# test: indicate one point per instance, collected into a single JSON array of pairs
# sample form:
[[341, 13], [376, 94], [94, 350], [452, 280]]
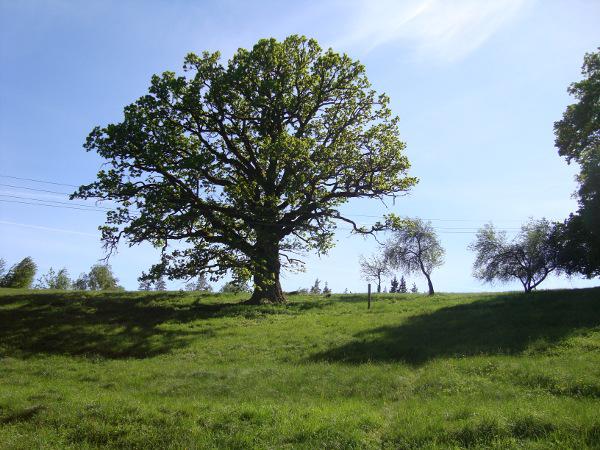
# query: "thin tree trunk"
[[430, 285]]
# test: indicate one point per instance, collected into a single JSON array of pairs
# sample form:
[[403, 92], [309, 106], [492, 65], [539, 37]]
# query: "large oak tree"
[[245, 164]]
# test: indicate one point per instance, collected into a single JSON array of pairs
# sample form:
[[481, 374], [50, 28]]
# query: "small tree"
[[20, 275], [316, 288], [200, 285], [414, 289], [81, 283], [402, 288], [160, 284], [145, 285], [101, 277], [2, 269], [235, 287], [54, 280], [530, 257], [394, 285], [414, 247], [326, 290], [374, 269]]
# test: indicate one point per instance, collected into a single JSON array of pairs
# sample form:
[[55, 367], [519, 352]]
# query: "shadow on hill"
[[112, 324], [503, 324]]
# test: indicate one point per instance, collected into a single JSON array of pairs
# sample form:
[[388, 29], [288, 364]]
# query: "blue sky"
[[477, 86]]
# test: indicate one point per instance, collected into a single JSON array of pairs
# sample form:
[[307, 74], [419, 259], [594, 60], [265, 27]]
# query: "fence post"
[[369, 297]]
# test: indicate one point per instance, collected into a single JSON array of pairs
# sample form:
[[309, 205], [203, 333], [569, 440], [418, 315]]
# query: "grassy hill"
[[178, 370]]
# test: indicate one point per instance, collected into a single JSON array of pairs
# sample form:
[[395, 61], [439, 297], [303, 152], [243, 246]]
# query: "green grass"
[[174, 370]]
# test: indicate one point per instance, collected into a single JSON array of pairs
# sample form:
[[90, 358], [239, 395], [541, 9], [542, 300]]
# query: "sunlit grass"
[[179, 370]]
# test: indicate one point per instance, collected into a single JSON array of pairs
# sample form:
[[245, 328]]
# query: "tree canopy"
[[245, 164], [530, 257], [20, 275], [578, 140], [100, 277], [374, 268], [54, 280], [414, 247]]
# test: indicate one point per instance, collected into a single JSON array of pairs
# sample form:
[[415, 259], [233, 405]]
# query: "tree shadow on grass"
[[504, 325], [112, 324]]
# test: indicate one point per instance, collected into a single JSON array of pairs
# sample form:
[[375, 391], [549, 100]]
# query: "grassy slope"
[[162, 370]]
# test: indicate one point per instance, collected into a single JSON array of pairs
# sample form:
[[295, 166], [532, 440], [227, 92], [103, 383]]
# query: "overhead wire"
[[99, 208]]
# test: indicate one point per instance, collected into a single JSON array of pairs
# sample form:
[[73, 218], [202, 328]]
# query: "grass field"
[[178, 370]]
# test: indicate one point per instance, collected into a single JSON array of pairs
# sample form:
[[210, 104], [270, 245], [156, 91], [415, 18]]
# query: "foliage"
[[81, 283], [200, 285], [100, 277], [530, 257], [2, 269], [160, 284], [414, 288], [374, 268], [54, 280], [326, 290], [151, 370], [394, 286], [235, 287], [20, 275], [578, 140], [402, 287], [414, 247], [145, 285], [316, 288], [246, 161]]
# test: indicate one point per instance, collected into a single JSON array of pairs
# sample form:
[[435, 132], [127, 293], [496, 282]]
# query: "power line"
[[36, 190], [52, 206], [103, 208], [82, 207], [442, 220], [450, 230]]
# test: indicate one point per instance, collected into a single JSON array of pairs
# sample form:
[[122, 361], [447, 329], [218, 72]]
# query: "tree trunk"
[[267, 288], [430, 285]]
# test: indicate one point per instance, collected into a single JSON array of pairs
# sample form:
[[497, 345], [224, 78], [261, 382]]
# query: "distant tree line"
[[22, 275], [532, 255]]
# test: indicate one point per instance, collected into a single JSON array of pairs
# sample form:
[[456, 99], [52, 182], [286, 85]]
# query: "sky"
[[477, 85]]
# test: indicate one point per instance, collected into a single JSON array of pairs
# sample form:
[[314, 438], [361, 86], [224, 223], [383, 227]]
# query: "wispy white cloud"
[[42, 228], [443, 30]]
